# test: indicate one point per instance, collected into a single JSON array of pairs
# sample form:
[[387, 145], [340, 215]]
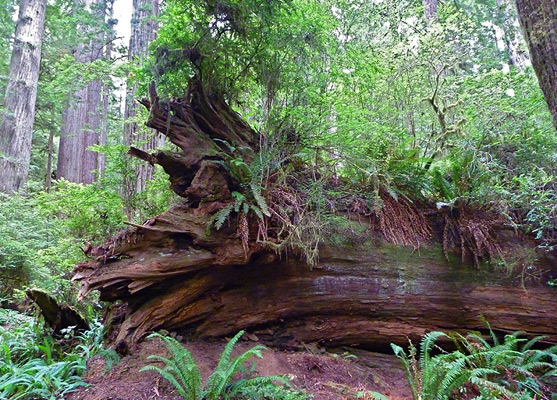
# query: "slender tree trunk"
[[82, 120], [506, 19], [539, 22], [143, 30], [18, 116], [430, 9], [48, 181]]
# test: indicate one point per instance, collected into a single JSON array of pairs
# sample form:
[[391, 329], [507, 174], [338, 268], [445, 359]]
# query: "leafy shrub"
[[41, 234], [34, 249], [183, 373], [508, 370], [85, 211], [34, 366], [520, 370]]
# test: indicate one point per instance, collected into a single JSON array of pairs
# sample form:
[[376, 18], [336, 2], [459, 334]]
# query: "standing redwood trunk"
[[82, 121], [143, 30], [16, 130], [430, 9], [539, 21], [103, 132]]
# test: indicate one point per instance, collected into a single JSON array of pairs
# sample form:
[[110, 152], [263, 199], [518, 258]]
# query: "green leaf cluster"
[[511, 369], [33, 365], [182, 372]]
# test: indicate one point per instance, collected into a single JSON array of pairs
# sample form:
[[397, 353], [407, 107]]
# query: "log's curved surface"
[[370, 295], [173, 272]]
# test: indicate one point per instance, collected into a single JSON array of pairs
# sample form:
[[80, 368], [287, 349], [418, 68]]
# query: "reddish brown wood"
[[370, 294], [175, 273]]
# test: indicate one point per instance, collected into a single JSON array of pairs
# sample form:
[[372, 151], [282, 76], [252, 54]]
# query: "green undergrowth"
[[479, 368], [35, 366], [42, 233], [229, 380]]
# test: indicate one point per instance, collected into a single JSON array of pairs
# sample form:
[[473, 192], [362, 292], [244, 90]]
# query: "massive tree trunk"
[[18, 116], [143, 30], [82, 119], [173, 272], [103, 132], [539, 22]]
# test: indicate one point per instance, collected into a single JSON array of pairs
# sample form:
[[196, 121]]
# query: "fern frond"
[[239, 199], [170, 378], [528, 345], [427, 344], [493, 335], [412, 380], [221, 216], [216, 382], [222, 164], [181, 366], [260, 200], [242, 384], [455, 376], [231, 148], [257, 211]]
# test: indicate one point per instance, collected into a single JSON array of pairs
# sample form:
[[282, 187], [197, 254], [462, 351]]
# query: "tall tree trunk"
[[506, 19], [18, 116], [82, 121], [430, 9], [101, 161], [539, 22], [50, 149], [143, 30]]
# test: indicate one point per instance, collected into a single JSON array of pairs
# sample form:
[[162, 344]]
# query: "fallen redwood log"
[[370, 294], [175, 273]]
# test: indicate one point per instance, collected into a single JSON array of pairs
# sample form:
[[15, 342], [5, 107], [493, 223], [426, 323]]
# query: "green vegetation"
[[367, 108], [33, 365], [182, 372], [390, 102], [511, 369]]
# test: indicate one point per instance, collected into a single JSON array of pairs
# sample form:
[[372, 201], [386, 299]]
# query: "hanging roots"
[[401, 223], [471, 231], [292, 225]]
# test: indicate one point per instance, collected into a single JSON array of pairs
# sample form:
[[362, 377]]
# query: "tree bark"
[[82, 120], [170, 275], [101, 159], [430, 9], [143, 30], [16, 129], [539, 22], [173, 272]]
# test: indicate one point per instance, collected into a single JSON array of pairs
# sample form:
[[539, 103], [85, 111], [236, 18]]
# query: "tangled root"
[[401, 223], [471, 232]]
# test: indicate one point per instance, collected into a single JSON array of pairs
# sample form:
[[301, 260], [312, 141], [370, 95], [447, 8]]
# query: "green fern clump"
[[510, 370], [183, 373], [434, 377], [519, 370]]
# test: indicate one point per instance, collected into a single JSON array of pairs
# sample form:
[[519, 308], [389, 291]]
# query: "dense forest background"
[[426, 102]]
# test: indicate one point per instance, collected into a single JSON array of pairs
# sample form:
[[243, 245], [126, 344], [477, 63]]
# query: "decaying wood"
[[57, 316], [173, 272]]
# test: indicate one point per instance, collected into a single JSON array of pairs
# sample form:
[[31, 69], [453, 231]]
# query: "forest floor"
[[324, 375]]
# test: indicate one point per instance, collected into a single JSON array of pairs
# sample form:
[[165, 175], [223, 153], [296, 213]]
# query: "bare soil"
[[325, 375]]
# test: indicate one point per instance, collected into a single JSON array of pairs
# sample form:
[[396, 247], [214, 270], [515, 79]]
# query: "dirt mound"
[[327, 376]]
